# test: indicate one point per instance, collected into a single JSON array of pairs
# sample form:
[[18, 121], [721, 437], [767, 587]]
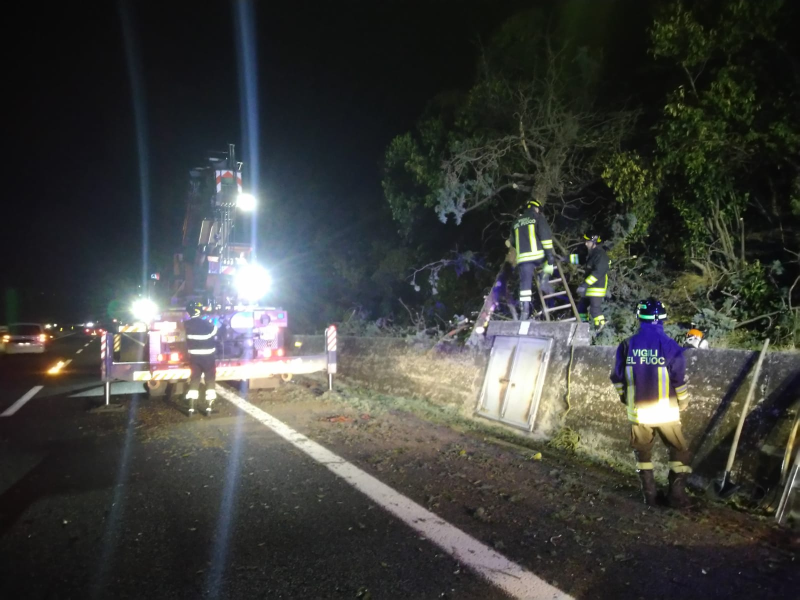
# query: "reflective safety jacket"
[[200, 336], [532, 236], [597, 273], [649, 376]]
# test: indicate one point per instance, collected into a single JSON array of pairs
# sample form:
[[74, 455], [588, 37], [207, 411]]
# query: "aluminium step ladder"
[[564, 294]]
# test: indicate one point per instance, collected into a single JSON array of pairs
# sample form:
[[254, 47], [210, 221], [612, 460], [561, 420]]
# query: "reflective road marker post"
[[106, 358], [330, 344]]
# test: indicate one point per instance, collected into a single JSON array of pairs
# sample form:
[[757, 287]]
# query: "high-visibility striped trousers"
[[643, 437], [526, 272], [591, 306], [202, 365]]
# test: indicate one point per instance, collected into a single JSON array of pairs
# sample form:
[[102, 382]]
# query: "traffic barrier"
[[258, 369], [300, 365], [135, 328]]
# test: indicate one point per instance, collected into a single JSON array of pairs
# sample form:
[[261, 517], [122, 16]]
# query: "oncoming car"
[[24, 338]]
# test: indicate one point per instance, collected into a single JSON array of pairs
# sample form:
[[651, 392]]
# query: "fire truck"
[[218, 270]]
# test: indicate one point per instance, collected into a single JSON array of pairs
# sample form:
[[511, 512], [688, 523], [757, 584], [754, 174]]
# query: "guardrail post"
[[330, 344]]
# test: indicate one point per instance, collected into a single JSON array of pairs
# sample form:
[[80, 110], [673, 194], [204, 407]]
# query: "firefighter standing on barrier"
[[649, 376], [202, 356], [595, 285], [533, 243]]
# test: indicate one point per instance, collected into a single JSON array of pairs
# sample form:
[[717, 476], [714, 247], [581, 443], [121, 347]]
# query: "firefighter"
[[695, 339], [595, 285], [202, 356], [534, 245], [649, 376]]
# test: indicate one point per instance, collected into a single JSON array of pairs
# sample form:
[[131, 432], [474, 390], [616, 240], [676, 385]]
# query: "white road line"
[[79, 351], [515, 580], [21, 402], [66, 362]]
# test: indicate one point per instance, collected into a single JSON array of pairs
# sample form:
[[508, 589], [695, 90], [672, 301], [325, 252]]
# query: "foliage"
[[536, 132], [635, 183], [701, 199], [722, 148]]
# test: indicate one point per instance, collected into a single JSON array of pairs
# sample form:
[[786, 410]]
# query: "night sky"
[[337, 80]]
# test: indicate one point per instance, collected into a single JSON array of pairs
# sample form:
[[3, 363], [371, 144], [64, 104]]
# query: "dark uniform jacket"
[[532, 237], [649, 375], [200, 336], [597, 273]]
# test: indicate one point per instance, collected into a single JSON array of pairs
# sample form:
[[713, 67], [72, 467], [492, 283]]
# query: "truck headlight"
[[252, 282]]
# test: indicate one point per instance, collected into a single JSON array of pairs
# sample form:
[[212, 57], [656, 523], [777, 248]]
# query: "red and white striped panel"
[[103, 350], [227, 175], [330, 338]]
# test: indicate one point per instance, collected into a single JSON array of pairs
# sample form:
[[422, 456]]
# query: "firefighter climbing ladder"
[[563, 294]]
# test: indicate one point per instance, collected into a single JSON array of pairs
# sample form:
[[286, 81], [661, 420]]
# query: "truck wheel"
[[156, 389]]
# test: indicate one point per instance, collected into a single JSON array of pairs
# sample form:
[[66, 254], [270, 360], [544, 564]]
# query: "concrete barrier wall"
[[395, 366], [718, 382]]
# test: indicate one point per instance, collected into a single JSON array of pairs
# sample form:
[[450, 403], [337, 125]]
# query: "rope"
[[569, 381], [566, 439]]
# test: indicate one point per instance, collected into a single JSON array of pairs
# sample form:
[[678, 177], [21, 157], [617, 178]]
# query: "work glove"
[[548, 269], [683, 404], [548, 256], [508, 244], [582, 290]]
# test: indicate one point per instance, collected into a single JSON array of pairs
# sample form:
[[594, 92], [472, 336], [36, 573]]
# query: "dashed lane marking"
[[79, 351], [512, 578], [21, 402]]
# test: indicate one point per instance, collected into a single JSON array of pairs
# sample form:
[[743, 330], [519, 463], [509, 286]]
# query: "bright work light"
[[246, 202], [252, 282], [144, 310]]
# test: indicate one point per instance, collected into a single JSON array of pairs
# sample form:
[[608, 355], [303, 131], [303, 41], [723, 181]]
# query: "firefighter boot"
[[525, 311], [211, 395], [677, 491], [191, 396], [649, 491]]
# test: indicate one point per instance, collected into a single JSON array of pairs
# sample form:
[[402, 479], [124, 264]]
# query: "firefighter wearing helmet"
[[533, 242], [649, 376], [595, 285], [695, 339], [202, 356]]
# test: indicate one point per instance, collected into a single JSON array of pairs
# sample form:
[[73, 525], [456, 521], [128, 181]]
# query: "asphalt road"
[[141, 501]]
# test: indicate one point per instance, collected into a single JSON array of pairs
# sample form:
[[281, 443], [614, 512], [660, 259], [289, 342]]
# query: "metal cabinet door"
[[524, 391], [514, 380], [498, 375]]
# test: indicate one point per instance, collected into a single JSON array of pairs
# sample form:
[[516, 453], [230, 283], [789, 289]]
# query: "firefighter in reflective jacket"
[[594, 287], [649, 376], [202, 356], [533, 242]]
